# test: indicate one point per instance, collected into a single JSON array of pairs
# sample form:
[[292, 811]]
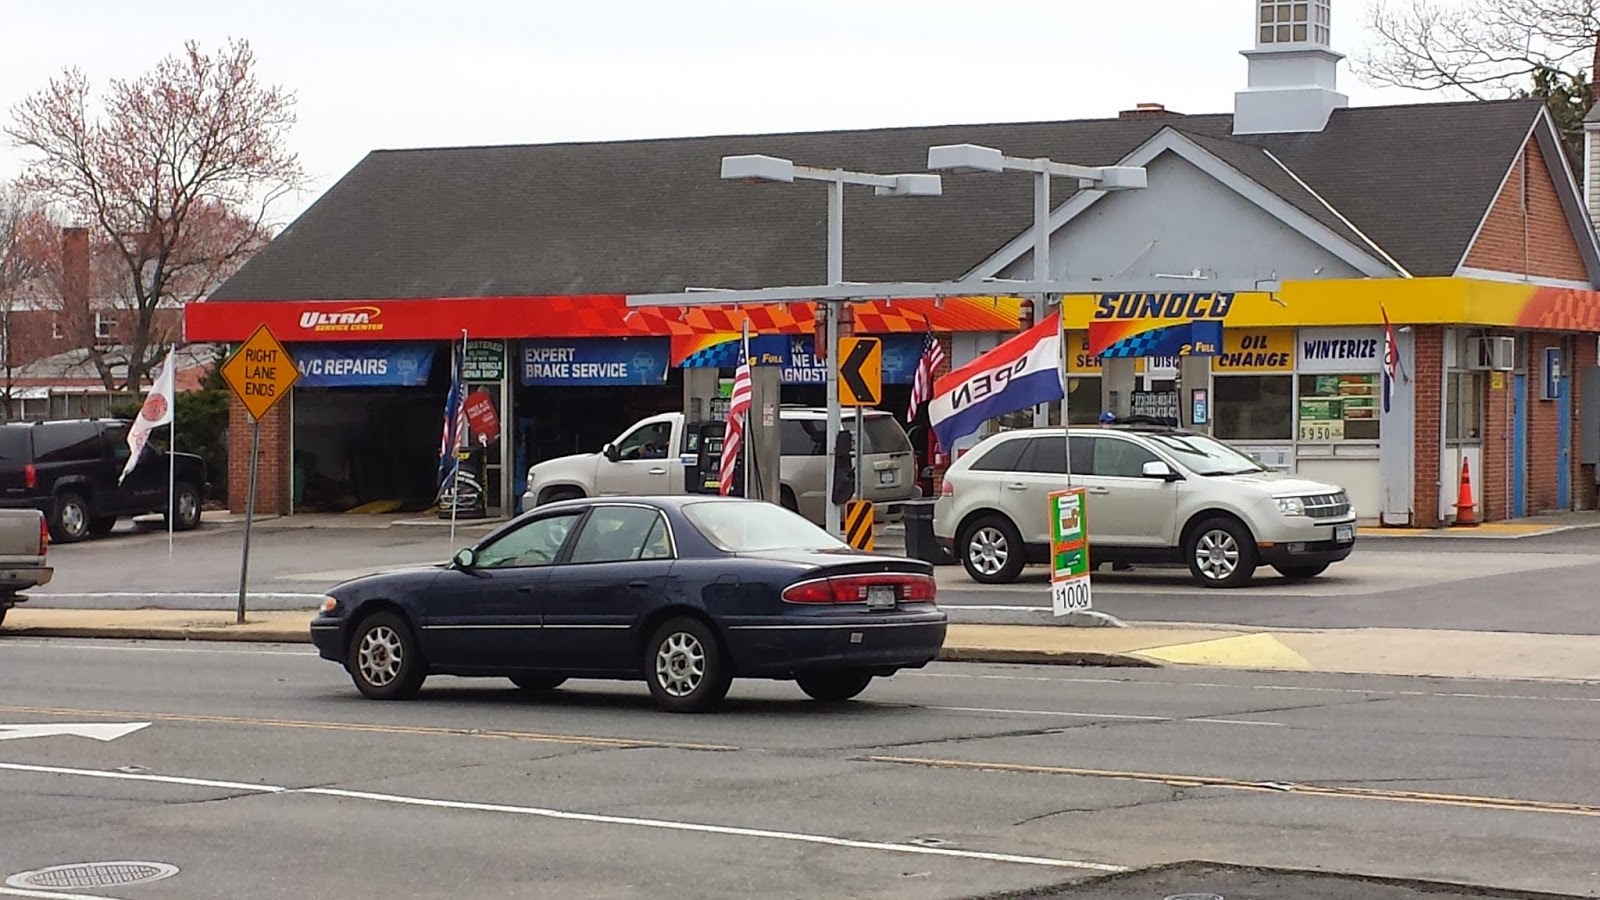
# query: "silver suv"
[[1154, 496]]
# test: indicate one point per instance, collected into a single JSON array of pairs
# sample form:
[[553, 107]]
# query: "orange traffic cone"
[[1466, 516]]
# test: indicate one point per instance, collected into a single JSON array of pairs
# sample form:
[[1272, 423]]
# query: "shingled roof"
[[653, 215]]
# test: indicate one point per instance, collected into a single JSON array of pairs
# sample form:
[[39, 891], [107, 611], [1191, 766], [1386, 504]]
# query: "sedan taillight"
[[855, 588]]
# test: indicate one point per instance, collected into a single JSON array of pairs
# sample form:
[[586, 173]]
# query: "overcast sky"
[[403, 73]]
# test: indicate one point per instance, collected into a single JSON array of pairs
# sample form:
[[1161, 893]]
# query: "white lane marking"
[[49, 895], [1095, 715], [158, 779], [594, 818], [1381, 692], [730, 830], [174, 595], [100, 731]]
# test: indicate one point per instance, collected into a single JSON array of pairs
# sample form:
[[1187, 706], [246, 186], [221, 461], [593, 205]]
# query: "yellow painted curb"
[[1246, 651]]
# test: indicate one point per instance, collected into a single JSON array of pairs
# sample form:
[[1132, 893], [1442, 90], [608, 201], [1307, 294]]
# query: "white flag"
[[156, 412]]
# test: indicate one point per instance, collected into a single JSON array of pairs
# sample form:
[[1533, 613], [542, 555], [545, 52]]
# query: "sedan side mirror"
[[611, 452], [465, 559], [1158, 469]]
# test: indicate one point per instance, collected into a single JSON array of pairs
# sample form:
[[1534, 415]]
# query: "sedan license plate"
[[1344, 534], [881, 596], [886, 477]]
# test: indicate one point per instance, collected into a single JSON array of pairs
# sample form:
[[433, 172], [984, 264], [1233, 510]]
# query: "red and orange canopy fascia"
[[1407, 301], [595, 315]]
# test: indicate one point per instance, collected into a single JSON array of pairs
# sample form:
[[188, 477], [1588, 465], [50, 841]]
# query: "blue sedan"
[[686, 593]]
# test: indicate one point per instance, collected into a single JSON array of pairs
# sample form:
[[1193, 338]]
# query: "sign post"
[[260, 373], [1069, 552], [860, 385]]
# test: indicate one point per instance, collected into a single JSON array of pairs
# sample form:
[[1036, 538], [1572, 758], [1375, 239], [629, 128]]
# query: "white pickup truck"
[[659, 456], [24, 546]]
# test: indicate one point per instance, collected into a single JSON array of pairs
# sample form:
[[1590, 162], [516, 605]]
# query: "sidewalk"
[[1511, 529], [1376, 651]]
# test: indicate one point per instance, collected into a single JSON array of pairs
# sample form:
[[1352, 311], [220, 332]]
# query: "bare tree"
[[176, 173], [26, 238], [1491, 48]]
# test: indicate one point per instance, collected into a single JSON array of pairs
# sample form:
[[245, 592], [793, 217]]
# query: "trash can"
[[920, 543]]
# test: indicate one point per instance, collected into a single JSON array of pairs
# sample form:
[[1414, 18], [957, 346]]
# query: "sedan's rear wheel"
[[684, 666], [537, 684], [992, 552], [833, 686], [383, 658]]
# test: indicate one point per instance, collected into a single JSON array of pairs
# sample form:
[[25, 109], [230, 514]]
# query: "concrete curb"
[[1045, 658], [226, 634]]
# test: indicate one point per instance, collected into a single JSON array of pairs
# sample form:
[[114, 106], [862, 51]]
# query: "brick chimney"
[[75, 273], [1147, 111]]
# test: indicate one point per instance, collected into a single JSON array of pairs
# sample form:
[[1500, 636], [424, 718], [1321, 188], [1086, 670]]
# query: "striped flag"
[[922, 387], [1391, 359], [738, 410]]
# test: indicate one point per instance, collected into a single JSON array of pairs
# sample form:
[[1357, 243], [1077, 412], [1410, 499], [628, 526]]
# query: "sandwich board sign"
[[1069, 551]]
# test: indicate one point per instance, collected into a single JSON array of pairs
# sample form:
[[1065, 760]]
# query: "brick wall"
[[1539, 243], [1544, 447], [1428, 372], [1492, 487], [1583, 483], [272, 473]]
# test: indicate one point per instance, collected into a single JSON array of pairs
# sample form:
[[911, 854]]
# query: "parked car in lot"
[[686, 593], [69, 471], [657, 456], [24, 552], [1154, 495]]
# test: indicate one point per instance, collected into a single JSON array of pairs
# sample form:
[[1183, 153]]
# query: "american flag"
[[455, 423], [738, 409], [1391, 359], [922, 386]]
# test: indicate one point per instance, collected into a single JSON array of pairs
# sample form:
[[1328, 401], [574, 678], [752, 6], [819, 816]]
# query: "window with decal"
[[1339, 407]]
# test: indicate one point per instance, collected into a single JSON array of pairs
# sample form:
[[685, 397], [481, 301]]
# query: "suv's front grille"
[[1327, 506]]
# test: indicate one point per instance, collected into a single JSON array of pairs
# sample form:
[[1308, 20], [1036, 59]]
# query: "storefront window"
[[1338, 407], [1463, 413], [1254, 407], [1083, 402]]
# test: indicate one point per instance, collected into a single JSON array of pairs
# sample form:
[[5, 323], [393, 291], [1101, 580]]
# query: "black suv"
[[68, 470]]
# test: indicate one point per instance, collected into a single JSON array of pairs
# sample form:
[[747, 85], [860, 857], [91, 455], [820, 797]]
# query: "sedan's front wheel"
[[833, 686], [684, 666], [383, 658]]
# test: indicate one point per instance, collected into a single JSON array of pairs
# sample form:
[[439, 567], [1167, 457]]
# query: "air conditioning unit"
[[1491, 354]]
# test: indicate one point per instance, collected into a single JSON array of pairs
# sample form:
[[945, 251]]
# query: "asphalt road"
[[262, 773], [1539, 584]]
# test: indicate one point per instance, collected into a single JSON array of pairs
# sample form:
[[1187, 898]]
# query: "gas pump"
[[702, 458]]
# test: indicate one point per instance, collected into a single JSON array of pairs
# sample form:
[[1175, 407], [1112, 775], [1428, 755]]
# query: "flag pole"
[[749, 432], [455, 419], [172, 454]]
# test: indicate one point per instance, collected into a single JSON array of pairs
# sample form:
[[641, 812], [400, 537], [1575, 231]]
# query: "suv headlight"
[[1291, 506]]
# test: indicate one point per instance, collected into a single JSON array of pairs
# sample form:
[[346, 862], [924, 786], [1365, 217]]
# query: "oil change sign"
[[1255, 350]]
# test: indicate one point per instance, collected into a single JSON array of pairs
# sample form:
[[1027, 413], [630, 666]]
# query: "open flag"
[[155, 413], [1023, 372], [454, 435]]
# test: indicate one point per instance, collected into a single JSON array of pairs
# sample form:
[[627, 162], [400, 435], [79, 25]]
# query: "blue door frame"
[[1564, 474], [1519, 445]]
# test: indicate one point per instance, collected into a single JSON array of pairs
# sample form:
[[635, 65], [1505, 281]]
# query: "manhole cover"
[[95, 874]]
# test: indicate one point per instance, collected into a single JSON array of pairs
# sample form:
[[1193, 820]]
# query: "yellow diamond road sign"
[[260, 373], [860, 371]]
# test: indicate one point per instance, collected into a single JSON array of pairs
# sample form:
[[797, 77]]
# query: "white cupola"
[[1294, 71]]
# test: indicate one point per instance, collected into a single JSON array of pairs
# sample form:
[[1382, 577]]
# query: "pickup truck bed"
[[24, 545]]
